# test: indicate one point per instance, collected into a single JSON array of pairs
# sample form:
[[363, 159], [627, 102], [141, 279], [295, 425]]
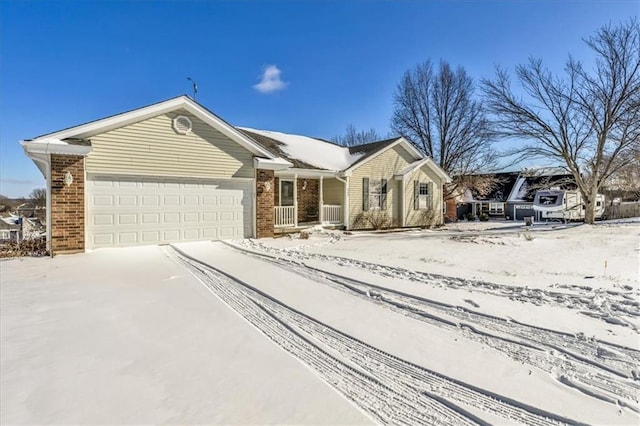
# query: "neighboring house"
[[10, 229], [30, 210], [511, 196], [494, 202], [174, 171]]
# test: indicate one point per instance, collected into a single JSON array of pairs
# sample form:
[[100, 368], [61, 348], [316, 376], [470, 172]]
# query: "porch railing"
[[332, 214], [284, 216]]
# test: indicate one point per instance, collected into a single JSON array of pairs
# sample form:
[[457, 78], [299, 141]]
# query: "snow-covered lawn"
[[471, 323]]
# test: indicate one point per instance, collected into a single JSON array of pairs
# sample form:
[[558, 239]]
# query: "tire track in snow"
[[410, 384], [524, 343], [607, 305], [379, 399]]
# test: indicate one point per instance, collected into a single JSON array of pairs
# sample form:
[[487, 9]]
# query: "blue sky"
[[332, 62]]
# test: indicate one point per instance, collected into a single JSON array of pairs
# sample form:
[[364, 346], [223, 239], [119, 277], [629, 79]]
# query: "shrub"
[[32, 247], [373, 219], [470, 217], [427, 218], [484, 217]]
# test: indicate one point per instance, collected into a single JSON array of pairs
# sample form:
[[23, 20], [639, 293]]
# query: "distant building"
[[511, 196], [10, 229]]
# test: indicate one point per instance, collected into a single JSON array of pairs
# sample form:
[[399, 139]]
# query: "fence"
[[623, 210]]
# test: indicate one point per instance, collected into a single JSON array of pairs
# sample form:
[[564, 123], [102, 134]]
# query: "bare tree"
[[587, 121], [436, 111], [39, 197], [625, 182], [353, 137]]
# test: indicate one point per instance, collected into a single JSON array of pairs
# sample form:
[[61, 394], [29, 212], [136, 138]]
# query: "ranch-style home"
[[174, 171]]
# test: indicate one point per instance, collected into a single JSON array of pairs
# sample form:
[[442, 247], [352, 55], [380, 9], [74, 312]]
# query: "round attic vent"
[[182, 124]]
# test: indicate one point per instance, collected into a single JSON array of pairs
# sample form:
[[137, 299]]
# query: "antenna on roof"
[[195, 87]]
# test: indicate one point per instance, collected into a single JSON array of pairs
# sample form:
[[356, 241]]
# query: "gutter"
[[345, 213]]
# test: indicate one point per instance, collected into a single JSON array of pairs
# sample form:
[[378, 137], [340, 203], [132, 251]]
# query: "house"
[[512, 193], [174, 171], [10, 229], [493, 201]]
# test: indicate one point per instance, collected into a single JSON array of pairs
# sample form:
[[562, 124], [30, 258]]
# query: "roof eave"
[[271, 163], [46, 147]]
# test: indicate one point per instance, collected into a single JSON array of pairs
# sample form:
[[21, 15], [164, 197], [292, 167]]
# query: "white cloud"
[[270, 81]]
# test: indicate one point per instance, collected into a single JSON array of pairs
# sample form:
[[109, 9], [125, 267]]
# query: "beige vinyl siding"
[[152, 147], [416, 217], [333, 192], [383, 166]]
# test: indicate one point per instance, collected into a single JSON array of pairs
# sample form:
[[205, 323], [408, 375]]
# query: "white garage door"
[[129, 211]]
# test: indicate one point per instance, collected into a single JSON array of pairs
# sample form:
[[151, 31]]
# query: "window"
[[496, 208], [374, 194], [286, 192], [421, 195], [548, 200]]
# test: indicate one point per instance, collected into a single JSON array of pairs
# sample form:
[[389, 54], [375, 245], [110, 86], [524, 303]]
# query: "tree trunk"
[[590, 205]]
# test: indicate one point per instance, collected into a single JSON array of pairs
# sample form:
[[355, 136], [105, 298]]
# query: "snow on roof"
[[321, 154]]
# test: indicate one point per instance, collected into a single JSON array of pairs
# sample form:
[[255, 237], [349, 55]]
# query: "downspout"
[[48, 225], [295, 200], [345, 213], [254, 196], [321, 202], [403, 203]]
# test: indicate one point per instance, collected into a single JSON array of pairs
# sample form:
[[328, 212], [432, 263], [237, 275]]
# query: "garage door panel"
[[124, 211], [103, 220], [171, 218], [103, 239], [127, 238], [210, 216], [150, 200], [171, 200], [128, 219], [127, 200], [210, 233]]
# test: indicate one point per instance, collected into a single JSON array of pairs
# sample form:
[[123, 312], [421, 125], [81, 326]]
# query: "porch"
[[302, 202], [285, 217]]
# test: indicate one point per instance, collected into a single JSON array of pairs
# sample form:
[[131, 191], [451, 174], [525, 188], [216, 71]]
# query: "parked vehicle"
[[558, 204]]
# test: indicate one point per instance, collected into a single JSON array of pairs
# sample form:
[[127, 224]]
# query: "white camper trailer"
[[558, 204]]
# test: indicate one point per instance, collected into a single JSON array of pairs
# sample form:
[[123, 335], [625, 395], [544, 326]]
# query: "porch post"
[[345, 208], [321, 202], [295, 200]]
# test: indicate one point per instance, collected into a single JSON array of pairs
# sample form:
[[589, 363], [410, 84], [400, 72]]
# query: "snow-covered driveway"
[[402, 359], [333, 329], [128, 336]]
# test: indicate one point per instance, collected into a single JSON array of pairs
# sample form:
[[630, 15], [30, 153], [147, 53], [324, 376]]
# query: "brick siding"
[[67, 204], [308, 200], [265, 200], [452, 208]]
